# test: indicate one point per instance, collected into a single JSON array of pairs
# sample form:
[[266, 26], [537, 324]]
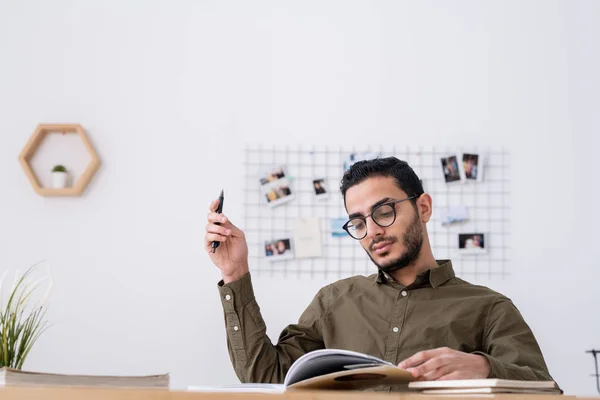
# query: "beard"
[[413, 242]]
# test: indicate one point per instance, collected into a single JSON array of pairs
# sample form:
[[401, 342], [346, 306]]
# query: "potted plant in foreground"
[[22, 319], [59, 177]]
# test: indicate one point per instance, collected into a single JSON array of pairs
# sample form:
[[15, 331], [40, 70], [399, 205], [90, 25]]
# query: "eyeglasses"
[[383, 215]]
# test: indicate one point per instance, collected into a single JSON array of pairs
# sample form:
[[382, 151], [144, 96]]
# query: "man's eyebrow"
[[380, 202]]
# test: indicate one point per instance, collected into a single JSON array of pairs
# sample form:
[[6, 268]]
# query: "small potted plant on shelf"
[[59, 177]]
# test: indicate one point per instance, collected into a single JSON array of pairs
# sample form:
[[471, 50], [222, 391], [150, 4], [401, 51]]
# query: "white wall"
[[170, 91]]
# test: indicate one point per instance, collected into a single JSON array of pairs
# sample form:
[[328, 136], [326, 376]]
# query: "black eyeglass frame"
[[364, 219]]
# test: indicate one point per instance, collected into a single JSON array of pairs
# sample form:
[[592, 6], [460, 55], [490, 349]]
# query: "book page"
[[327, 361]]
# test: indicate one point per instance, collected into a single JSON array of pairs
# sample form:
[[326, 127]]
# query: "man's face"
[[394, 247]]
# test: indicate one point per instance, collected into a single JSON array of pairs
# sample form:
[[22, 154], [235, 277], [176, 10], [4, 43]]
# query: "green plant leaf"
[[59, 168], [20, 325]]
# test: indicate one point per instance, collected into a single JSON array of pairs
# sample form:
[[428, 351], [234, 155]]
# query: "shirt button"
[[228, 297], [403, 293], [395, 329], [236, 328]]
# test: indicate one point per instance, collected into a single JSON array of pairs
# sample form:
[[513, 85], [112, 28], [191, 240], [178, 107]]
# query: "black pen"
[[215, 244]]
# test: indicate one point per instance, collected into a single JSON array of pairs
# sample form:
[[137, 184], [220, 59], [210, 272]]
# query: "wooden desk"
[[132, 394]]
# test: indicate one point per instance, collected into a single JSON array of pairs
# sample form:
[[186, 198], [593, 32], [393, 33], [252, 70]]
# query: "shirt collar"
[[442, 274], [436, 276]]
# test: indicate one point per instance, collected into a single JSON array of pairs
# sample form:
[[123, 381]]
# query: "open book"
[[477, 386], [13, 377], [327, 369]]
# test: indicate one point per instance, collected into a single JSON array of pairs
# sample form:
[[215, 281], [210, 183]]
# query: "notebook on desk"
[[13, 377], [484, 386]]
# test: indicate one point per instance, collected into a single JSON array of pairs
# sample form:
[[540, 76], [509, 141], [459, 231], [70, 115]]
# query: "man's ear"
[[424, 205]]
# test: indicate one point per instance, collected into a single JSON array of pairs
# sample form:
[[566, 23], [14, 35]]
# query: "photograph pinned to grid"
[[320, 188], [452, 169], [279, 249], [453, 215], [473, 167], [336, 227], [472, 243], [275, 185]]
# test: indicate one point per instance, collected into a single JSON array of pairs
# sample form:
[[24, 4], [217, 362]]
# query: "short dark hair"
[[405, 176]]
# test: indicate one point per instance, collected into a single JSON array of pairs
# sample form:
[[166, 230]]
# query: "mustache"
[[390, 239]]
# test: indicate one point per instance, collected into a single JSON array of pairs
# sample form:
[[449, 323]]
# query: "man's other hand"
[[446, 364]]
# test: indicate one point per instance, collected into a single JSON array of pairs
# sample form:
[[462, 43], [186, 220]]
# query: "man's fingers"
[[224, 221], [214, 237], [215, 217], [415, 360], [212, 207], [430, 366], [444, 364], [437, 373], [421, 357], [221, 230]]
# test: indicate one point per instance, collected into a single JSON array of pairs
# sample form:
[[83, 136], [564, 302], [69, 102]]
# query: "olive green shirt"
[[378, 316]]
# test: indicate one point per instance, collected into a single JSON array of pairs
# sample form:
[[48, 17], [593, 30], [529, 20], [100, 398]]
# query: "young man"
[[413, 312]]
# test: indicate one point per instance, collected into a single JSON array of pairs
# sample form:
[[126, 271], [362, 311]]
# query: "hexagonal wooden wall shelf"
[[34, 142]]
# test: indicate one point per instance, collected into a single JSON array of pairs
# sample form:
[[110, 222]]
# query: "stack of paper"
[[477, 386], [12, 377]]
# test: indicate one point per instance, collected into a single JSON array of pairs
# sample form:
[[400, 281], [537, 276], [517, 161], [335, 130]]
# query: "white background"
[[169, 92]]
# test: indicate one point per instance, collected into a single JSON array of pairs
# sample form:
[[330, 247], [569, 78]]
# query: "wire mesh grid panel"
[[270, 217]]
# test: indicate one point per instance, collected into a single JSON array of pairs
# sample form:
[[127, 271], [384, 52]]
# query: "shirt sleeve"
[[254, 357], [510, 346]]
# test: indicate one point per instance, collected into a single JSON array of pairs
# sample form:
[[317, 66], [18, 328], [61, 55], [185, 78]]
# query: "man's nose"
[[374, 230]]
